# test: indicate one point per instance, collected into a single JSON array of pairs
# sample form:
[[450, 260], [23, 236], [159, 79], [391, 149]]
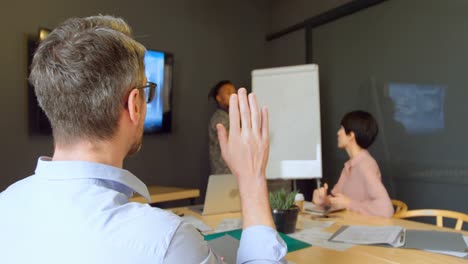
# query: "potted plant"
[[284, 210]]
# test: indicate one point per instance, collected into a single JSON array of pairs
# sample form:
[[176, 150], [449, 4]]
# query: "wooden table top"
[[358, 253]]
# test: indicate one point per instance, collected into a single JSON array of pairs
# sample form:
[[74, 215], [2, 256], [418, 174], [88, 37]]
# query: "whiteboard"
[[293, 100]]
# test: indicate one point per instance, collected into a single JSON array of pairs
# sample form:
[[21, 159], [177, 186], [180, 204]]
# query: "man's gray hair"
[[82, 72]]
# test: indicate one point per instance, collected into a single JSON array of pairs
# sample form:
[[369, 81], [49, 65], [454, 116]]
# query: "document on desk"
[[370, 235], [229, 224], [200, 225], [307, 223], [319, 238], [311, 231]]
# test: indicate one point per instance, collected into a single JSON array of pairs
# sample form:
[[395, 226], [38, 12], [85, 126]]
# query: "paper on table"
[[368, 235], [316, 237], [453, 253], [310, 231], [307, 223], [200, 225], [229, 224]]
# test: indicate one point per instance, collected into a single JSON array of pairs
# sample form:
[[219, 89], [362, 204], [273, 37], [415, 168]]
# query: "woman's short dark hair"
[[214, 91], [363, 125]]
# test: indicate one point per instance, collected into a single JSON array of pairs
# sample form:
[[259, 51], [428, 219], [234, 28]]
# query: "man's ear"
[[352, 136], [134, 106]]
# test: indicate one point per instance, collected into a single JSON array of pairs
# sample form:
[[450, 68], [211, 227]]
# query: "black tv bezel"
[[39, 124]]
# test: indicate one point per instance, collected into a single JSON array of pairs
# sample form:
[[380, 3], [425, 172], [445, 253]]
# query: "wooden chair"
[[439, 214], [399, 206]]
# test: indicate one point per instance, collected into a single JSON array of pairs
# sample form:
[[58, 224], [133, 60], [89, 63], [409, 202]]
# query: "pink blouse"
[[360, 180]]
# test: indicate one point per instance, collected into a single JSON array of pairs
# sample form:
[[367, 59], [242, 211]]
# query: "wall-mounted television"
[[158, 69], [38, 122]]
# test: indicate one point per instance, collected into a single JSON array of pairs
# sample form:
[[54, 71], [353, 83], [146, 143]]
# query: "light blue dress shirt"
[[79, 212]]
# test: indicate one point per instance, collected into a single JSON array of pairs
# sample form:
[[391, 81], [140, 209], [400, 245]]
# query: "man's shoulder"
[[145, 217], [143, 226], [16, 187]]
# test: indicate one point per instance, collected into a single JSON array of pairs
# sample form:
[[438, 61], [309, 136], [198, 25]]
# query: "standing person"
[[220, 93], [89, 79], [359, 187]]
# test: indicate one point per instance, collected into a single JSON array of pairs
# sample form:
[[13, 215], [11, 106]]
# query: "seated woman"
[[359, 187]]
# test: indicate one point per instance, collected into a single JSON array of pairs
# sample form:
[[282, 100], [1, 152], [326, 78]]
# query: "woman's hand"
[[320, 195]]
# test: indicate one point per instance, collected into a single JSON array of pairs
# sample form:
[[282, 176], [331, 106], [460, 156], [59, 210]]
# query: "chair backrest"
[[439, 214], [399, 206]]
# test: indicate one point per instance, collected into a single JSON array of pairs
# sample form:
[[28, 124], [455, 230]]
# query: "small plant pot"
[[285, 220]]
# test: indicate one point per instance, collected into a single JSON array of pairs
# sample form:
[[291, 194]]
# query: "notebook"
[[397, 236], [435, 240], [222, 196]]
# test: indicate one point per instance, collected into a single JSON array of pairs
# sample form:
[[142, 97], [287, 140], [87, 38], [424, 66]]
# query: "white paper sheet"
[[307, 223], [319, 238], [229, 224], [200, 225], [451, 253]]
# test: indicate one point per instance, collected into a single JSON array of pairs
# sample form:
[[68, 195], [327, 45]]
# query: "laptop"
[[222, 196]]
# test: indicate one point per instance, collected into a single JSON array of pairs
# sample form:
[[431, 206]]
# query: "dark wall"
[[210, 40], [361, 57], [421, 44], [290, 49]]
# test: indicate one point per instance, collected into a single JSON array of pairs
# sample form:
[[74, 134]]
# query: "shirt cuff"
[[261, 243]]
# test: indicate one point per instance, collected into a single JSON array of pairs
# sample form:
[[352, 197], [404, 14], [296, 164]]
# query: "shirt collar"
[[67, 170], [352, 162]]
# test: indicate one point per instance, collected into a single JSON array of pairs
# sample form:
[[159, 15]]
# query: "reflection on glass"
[[419, 107]]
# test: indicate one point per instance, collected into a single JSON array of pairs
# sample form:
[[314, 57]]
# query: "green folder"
[[292, 243]]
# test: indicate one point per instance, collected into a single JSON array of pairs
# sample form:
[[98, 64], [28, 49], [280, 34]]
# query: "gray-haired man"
[[89, 79]]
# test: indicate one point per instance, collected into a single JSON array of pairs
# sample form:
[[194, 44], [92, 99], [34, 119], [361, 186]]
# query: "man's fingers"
[[325, 186], [244, 109], [255, 114], [234, 120], [222, 138]]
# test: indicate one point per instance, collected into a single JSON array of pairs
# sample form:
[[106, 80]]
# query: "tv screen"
[[158, 69]]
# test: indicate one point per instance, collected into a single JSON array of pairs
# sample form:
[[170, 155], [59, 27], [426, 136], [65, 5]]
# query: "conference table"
[[357, 253], [160, 194]]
